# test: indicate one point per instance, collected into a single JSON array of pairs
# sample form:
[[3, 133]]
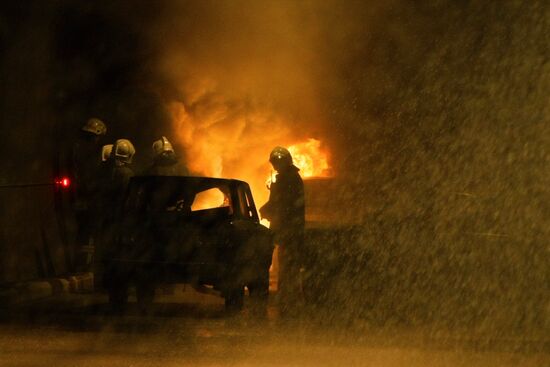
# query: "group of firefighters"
[[102, 172]]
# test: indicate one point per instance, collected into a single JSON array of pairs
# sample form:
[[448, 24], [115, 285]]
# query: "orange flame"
[[310, 159], [220, 144]]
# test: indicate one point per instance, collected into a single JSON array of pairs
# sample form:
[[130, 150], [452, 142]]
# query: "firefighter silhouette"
[[86, 171], [286, 212], [165, 160], [116, 174], [119, 172]]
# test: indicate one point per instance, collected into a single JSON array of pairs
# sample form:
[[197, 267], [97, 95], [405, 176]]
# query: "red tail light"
[[63, 182]]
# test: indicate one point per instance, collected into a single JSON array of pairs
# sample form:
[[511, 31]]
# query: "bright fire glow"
[[310, 159], [212, 198], [230, 143]]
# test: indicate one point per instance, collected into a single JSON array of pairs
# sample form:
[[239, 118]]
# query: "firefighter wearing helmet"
[[85, 152], [162, 148], [123, 151], [165, 161], [121, 159], [95, 127], [106, 151], [117, 172], [285, 211], [86, 175]]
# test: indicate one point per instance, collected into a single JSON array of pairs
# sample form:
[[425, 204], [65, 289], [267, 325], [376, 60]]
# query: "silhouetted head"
[[280, 158], [123, 151]]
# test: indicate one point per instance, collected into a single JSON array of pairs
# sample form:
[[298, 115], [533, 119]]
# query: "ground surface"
[[191, 329]]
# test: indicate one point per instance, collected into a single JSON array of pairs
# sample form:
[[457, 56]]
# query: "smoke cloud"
[[244, 77]]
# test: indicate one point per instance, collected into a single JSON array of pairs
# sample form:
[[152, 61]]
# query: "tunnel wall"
[[62, 63], [30, 240]]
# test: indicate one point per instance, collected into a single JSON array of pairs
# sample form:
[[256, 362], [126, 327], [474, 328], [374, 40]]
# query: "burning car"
[[198, 230]]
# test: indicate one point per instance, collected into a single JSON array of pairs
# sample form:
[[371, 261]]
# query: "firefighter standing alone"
[[285, 211]]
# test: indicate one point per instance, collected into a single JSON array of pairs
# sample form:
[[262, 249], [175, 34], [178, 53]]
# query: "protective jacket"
[[285, 209], [166, 166], [86, 167]]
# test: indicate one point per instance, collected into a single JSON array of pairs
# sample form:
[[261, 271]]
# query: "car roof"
[[198, 182]]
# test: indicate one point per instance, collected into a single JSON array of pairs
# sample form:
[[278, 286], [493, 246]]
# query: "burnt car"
[[199, 230]]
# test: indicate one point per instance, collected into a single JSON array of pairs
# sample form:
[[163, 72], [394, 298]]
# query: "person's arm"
[[268, 211]]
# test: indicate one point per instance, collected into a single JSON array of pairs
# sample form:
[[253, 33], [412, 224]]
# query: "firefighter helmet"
[[280, 157], [162, 147], [106, 152], [95, 126], [123, 151]]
